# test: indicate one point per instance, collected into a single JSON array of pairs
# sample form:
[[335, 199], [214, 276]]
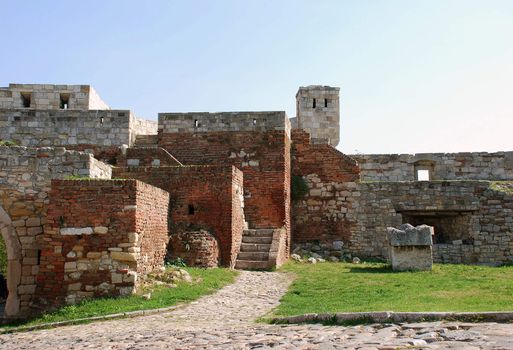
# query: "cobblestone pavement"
[[225, 321]]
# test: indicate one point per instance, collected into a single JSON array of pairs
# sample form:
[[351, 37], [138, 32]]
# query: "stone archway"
[[13, 247]]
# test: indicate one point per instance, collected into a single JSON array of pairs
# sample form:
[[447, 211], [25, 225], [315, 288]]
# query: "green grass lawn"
[[205, 281], [344, 287]]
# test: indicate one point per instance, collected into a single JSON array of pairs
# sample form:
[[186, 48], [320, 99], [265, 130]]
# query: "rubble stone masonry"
[[25, 175], [100, 237], [442, 166]]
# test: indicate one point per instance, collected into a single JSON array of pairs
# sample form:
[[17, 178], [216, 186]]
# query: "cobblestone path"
[[225, 321]]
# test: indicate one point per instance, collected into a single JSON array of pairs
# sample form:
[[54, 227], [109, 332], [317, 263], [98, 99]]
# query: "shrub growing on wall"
[[298, 188]]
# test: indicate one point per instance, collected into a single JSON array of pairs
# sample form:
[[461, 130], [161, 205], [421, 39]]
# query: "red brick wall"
[[321, 159], [151, 226], [260, 155], [126, 220], [322, 167], [146, 157], [209, 190]]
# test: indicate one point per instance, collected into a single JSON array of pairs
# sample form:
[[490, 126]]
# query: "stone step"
[[256, 239], [255, 256], [254, 247], [264, 232], [251, 265]]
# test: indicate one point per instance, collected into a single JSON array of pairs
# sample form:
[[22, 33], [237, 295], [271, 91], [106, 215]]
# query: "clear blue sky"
[[415, 76]]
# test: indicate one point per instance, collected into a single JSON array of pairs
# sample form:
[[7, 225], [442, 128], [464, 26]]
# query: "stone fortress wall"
[[225, 121], [441, 166], [38, 115], [227, 175]]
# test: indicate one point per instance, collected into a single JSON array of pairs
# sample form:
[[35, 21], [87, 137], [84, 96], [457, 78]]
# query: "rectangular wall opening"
[[26, 99], [64, 103], [422, 175], [449, 226]]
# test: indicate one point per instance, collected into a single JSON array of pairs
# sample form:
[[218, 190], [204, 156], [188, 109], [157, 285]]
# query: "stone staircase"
[[146, 140], [254, 249]]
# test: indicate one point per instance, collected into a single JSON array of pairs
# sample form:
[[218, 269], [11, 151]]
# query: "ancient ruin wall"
[[25, 175], [65, 127], [100, 238], [261, 154], [207, 197], [72, 128], [442, 166], [321, 214], [483, 214], [143, 127], [473, 220], [224, 121]]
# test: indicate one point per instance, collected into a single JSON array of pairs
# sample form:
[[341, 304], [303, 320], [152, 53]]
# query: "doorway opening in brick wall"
[[450, 226]]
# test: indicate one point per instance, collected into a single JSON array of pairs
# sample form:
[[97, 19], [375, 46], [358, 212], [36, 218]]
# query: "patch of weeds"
[[8, 143]]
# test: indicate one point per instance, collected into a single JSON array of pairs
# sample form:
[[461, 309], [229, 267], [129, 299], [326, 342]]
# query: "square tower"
[[318, 113]]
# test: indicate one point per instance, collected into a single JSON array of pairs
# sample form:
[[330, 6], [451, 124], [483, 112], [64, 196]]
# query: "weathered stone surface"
[[410, 247], [77, 231]]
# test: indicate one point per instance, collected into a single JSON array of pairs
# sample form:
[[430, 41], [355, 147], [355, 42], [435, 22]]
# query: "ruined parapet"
[[318, 113], [411, 247]]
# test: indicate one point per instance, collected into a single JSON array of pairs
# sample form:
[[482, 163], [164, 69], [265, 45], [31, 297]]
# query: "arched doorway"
[[13, 268]]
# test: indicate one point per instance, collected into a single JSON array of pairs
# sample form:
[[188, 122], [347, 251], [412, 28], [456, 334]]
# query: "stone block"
[[101, 230], [121, 256], [410, 247], [76, 231]]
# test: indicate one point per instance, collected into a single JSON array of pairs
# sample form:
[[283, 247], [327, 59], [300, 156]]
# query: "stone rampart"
[[72, 128], [441, 166], [225, 121]]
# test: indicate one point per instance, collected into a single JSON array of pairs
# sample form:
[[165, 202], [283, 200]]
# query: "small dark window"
[[101, 120], [64, 101], [314, 103], [196, 123], [25, 99], [191, 209], [254, 121], [325, 102], [39, 257]]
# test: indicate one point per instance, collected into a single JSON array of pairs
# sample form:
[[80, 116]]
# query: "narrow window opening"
[[325, 102], [254, 122], [196, 123], [314, 103], [64, 101], [39, 257], [101, 120], [25, 99], [422, 175], [191, 209]]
